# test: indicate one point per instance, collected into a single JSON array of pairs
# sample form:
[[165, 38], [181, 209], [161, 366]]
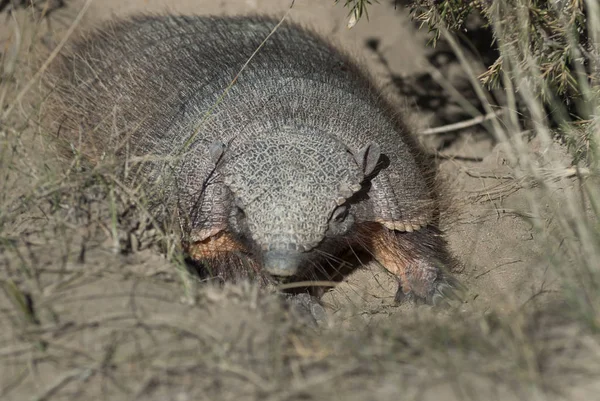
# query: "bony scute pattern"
[[298, 177], [299, 162]]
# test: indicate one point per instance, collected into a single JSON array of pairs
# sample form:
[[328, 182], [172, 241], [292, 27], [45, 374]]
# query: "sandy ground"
[[491, 229]]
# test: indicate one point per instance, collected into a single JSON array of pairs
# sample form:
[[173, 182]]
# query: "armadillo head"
[[290, 193]]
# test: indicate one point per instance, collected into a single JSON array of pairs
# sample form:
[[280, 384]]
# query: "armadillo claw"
[[309, 308], [446, 291], [443, 292], [419, 260]]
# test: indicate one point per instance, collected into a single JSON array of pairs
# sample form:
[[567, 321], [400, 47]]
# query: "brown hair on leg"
[[221, 256], [419, 259]]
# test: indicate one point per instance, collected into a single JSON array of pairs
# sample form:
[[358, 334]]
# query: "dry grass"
[[96, 302]]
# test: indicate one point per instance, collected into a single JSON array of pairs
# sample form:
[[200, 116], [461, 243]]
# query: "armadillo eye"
[[340, 213], [240, 212]]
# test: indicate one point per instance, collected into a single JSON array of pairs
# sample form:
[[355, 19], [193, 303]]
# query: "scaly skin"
[[300, 153]]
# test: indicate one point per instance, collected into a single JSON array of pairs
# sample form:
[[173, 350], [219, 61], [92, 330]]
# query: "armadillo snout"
[[282, 263]]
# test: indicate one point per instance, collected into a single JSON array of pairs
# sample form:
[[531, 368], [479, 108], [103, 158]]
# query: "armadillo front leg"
[[419, 260], [225, 257]]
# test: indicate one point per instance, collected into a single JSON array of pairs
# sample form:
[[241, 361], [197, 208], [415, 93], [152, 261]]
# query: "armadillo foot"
[[443, 291], [308, 307], [420, 261]]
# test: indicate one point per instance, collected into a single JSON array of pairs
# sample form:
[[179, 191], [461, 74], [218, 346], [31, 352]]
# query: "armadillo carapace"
[[277, 154]]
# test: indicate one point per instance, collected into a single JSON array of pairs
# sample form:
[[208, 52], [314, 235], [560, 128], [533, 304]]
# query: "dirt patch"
[[85, 319]]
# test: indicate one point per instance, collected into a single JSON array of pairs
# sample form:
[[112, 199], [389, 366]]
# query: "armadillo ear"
[[367, 157], [215, 151]]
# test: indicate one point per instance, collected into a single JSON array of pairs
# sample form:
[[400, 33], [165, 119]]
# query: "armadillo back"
[[154, 85]]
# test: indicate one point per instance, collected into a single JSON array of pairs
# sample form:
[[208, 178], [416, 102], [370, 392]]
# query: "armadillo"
[[275, 149]]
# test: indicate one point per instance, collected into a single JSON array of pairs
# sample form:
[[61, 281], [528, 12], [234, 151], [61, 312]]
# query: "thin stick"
[[228, 88], [308, 283], [462, 124]]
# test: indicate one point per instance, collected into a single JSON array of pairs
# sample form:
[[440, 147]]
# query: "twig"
[[191, 139], [443, 156], [308, 283], [462, 124], [568, 172], [488, 175]]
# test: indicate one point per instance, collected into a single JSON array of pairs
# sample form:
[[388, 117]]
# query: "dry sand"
[[491, 231]]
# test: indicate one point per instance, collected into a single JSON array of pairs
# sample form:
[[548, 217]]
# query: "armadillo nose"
[[281, 263]]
